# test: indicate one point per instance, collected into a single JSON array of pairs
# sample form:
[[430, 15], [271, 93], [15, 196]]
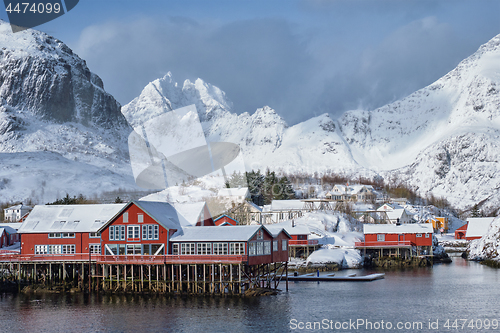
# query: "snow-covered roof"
[[163, 213], [277, 205], [14, 226], [413, 228], [478, 226], [395, 214], [191, 211], [276, 229], [9, 229], [389, 206], [258, 208], [68, 218], [21, 206], [297, 229], [238, 233], [233, 192]]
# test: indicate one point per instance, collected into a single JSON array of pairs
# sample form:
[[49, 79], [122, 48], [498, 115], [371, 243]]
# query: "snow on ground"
[[334, 231], [345, 257]]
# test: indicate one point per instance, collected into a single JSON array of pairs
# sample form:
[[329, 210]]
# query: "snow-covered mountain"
[[51, 102], [441, 139]]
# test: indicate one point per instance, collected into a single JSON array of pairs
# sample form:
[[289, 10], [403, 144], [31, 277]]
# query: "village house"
[[254, 245], [246, 213], [234, 195], [352, 193], [9, 235], [300, 244], [396, 214], [225, 220], [15, 213], [403, 240], [65, 229], [477, 227], [460, 232], [439, 223]]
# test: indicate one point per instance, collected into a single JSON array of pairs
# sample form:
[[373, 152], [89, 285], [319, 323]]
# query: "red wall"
[[280, 255], [264, 259], [133, 212], [417, 241], [81, 242], [224, 219]]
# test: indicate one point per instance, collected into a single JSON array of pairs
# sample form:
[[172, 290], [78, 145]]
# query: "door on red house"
[[401, 238]]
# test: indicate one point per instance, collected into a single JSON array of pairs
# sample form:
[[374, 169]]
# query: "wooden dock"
[[332, 278]]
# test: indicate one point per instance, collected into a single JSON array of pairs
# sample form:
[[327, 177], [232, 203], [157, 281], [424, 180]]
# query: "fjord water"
[[461, 290]]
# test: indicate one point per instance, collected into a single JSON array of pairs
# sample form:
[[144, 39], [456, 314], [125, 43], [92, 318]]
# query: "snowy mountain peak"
[[267, 117], [165, 94], [41, 75]]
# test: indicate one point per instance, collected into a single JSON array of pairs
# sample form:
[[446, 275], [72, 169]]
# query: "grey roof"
[[20, 206], [11, 228], [413, 228], [163, 213], [276, 229], [68, 218], [238, 233]]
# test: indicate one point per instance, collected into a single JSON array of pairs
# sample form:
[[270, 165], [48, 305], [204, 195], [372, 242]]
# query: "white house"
[[14, 213], [396, 213], [196, 213], [234, 194]]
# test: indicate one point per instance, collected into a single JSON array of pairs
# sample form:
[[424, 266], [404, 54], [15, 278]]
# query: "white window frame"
[[175, 249], [260, 248], [204, 248], [252, 249], [134, 231], [267, 247], [275, 245], [95, 248], [140, 218], [237, 248], [220, 248], [188, 249], [94, 235], [418, 235], [380, 237], [284, 245], [125, 217]]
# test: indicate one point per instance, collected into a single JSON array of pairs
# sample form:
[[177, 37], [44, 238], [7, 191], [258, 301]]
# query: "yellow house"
[[438, 223]]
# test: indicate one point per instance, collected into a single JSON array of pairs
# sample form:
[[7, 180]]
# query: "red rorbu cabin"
[[141, 228], [460, 232], [251, 244], [65, 230], [397, 240]]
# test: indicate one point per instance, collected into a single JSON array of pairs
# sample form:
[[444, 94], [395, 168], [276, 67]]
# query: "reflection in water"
[[459, 290]]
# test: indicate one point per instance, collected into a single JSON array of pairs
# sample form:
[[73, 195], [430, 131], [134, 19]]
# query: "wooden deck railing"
[[303, 242], [123, 259], [383, 244]]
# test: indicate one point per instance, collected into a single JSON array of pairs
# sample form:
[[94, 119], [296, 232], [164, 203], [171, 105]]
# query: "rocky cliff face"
[[43, 76]]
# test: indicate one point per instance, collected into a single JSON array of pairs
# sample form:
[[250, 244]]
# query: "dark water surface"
[[462, 290]]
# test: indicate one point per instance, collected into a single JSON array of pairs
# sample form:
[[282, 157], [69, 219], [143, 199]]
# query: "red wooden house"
[[397, 240], [225, 220], [250, 244], [65, 230], [460, 232], [141, 228]]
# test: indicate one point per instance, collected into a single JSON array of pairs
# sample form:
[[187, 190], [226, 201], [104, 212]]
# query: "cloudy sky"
[[301, 57]]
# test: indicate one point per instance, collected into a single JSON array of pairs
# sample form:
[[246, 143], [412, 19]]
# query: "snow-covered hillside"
[[51, 102], [487, 247], [441, 139]]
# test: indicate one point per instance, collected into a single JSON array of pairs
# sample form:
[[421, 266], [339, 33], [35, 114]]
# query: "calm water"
[[455, 291]]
